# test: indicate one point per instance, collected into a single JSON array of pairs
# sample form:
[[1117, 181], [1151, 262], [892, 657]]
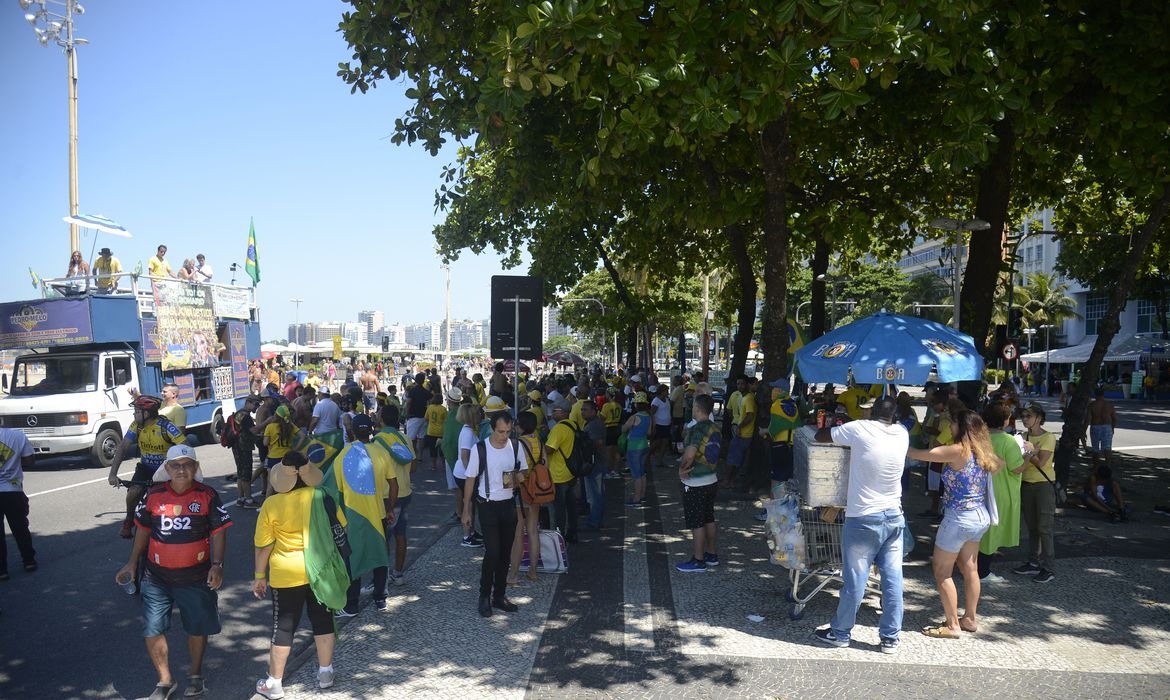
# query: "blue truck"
[[84, 353]]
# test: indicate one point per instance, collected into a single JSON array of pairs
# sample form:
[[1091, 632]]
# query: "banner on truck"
[[238, 352], [186, 325], [45, 324], [230, 302]]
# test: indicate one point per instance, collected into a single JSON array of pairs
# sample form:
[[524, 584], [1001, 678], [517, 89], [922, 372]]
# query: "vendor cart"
[[823, 560]]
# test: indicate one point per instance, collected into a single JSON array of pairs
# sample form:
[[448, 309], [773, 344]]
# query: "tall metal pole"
[[297, 326], [71, 60], [706, 311], [447, 332], [958, 276], [516, 358]]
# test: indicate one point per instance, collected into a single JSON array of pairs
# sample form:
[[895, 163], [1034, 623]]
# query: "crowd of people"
[[524, 455]]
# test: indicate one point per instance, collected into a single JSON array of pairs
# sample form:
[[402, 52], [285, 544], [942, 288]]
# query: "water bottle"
[[126, 581]]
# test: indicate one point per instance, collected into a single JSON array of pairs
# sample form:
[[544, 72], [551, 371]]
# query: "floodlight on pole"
[[56, 27], [959, 227]]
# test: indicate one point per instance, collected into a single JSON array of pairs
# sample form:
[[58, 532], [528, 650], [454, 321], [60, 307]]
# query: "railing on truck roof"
[[127, 283]]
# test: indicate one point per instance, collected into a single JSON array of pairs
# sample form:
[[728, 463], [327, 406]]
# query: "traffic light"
[[1015, 322], [385, 343]]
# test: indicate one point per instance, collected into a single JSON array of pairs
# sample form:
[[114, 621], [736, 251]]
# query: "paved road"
[[623, 623]]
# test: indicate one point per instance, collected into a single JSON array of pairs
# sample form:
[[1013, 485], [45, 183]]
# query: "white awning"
[[1127, 348]]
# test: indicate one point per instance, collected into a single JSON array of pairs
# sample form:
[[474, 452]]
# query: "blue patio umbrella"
[[890, 348]]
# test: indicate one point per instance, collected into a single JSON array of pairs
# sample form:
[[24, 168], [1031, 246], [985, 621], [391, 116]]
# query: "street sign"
[[1010, 351], [514, 295]]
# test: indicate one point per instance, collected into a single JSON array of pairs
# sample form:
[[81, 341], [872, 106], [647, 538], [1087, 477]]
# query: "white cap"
[[178, 452]]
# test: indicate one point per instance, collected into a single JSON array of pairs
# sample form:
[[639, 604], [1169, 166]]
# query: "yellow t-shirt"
[[560, 443], [382, 442], [436, 415], [575, 413], [175, 414], [747, 407], [104, 270], [611, 413], [277, 448], [282, 522], [849, 399], [1042, 443], [537, 411], [735, 403], [534, 447], [158, 268]]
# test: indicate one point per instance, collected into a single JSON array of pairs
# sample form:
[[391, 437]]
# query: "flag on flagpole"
[[252, 264]]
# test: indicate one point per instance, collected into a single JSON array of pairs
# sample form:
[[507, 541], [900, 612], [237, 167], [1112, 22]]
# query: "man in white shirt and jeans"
[[873, 522]]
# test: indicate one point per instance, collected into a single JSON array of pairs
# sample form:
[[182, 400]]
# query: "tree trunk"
[[985, 256], [631, 348], [1075, 415], [776, 152], [820, 266]]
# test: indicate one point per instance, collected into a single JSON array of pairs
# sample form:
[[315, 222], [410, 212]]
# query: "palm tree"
[[1047, 301]]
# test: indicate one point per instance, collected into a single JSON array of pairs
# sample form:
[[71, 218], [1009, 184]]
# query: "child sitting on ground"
[[1103, 494]]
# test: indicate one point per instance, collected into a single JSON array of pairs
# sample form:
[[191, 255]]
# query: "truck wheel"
[[105, 447], [214, 429]]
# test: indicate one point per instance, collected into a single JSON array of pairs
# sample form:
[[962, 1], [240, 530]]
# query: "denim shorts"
[[637, 461], [738, 451], [400, 515], [960, 527], [198, 608]]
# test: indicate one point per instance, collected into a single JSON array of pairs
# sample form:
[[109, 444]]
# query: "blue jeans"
[[867, 540], [595, 492]]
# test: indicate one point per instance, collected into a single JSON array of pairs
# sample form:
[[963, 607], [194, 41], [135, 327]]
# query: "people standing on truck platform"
[[157, 266], [105, 269], [78, 267], [154, 435], [203, 271], [171, 409], [186, 270]]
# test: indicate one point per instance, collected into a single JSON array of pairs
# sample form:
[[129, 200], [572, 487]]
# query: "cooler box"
[[821, 470]]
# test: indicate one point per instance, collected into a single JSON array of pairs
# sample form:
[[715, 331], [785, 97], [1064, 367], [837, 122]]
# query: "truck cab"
[[77, 359], [72, 402]]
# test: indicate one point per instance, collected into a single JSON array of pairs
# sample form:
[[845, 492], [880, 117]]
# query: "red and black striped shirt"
[[181, 526]]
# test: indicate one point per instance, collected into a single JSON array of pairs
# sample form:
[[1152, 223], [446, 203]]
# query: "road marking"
[[1141, 447], [73, 486], [639, 612]]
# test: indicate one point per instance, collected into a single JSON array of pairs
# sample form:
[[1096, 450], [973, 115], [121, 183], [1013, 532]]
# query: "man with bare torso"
[[1102, 423], [369, 383]]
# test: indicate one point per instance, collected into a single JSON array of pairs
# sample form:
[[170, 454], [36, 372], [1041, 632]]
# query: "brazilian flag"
[[797, 339], [319, 449], [358, 476]]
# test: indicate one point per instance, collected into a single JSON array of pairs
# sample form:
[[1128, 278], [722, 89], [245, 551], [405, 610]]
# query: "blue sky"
[[194, 117]]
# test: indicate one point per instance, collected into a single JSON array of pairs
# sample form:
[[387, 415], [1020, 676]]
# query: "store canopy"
[[1127, 348]]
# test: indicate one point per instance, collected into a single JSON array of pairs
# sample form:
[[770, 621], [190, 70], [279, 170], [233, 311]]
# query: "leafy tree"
[[557, 343]]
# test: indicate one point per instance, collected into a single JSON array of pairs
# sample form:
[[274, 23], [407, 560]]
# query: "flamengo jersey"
[[181, 526], [155, 439]]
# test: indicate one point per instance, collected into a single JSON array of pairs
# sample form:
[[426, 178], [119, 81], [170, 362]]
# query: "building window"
[[1147, 321], [1094, 311]]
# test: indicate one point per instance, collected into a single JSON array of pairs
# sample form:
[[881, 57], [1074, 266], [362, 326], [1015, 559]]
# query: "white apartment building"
[[374, 321]]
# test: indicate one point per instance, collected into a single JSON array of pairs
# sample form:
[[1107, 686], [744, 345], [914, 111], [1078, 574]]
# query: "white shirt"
[[203, 273], [328, 416], [467, 440], [661, 410], [14, 445], [499, 460], [876, 459]]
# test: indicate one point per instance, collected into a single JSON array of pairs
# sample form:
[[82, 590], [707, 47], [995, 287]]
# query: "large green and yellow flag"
[[358, 476], [252, 261], [319, 449], [796, 340]]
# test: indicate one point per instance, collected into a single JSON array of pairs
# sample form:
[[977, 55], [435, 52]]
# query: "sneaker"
[[477, 539], [368, 589], [343, 613], [633, 504], [324, 678], [382, 605], [762, 516], [272, 692], [1045, 576], [710, 559], [826, 636], [469, 541], [692, 566], [30, 566], [165, 691], [889, 645], [4, 576], [397, 578], [250, 503], [1028, 569], [993, 578]]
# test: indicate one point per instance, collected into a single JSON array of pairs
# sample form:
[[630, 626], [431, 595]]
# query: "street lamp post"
[[55, 27], [1031, 333], [447, 328], [959, 227], [1047, 352], [297, 325]]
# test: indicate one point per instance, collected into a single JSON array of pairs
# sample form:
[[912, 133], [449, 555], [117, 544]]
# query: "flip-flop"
[[940, 632]]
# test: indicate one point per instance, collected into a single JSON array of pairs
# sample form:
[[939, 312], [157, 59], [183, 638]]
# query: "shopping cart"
[[823, 560]]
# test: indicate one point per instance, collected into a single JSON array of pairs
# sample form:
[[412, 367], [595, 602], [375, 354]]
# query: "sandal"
[[195, 687], [164, 691], [940, 632]]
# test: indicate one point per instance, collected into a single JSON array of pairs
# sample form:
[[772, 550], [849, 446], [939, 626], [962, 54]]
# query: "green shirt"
[[705, 437]]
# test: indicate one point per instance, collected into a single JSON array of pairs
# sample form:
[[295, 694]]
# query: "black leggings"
[[287, 604]]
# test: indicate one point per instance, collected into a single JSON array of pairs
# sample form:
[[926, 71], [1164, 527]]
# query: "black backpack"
[[580, 458]]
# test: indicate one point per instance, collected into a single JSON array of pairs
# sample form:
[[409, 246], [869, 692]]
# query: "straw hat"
[[284, 476]]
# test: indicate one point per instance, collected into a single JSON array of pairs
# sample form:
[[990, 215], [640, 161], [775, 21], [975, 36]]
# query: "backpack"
[[580, 459], [538, 488], [230, 435]]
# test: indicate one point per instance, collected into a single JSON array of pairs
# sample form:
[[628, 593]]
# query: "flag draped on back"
[[319, 449], [324, 538], [358, 478], [252, 264]]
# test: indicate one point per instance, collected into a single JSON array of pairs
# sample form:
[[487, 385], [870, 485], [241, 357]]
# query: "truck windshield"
[[38, 376]]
